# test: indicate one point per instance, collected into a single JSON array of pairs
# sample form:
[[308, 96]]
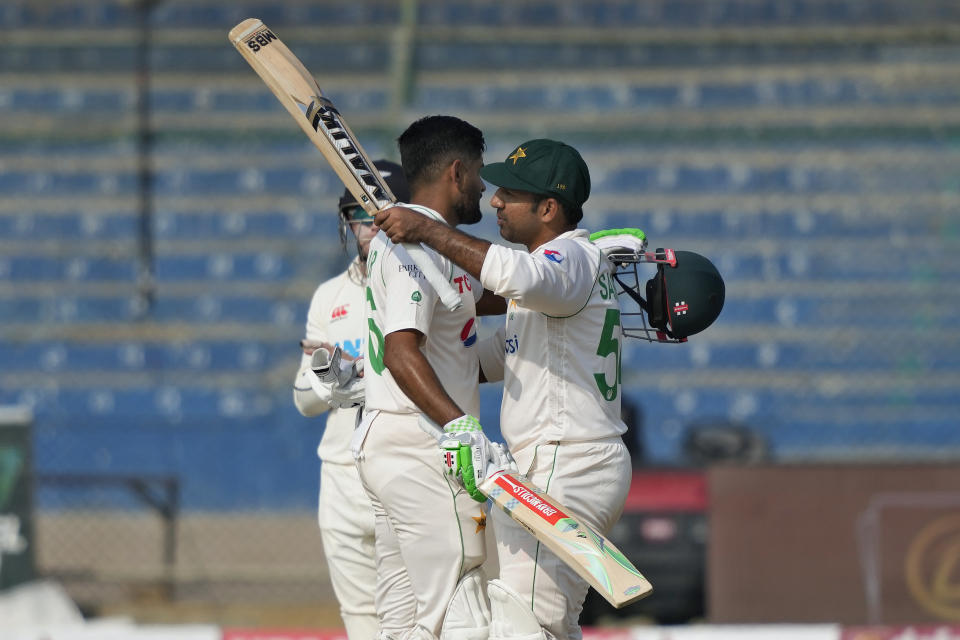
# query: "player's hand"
[[465, 451], [613, 242], [338, 381], [402, 224]]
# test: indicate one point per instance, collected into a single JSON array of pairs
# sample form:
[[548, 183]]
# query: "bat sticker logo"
[[325, 119], [261, 39]]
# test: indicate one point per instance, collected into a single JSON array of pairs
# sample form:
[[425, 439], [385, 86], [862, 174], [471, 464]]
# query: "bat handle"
[[448, 295]]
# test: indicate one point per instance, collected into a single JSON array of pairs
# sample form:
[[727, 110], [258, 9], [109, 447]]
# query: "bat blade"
[[300, 95], [591, 555]]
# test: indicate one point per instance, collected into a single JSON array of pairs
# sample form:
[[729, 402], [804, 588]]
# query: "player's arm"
[[314, 394], [529, 278], [492, 356], [307, 401], [558, 285], [406, 225], [490, 304], [416, 378], [463, 439]]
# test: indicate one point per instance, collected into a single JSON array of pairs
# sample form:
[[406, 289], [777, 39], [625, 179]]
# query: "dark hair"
[[430, 144], [571, 214]]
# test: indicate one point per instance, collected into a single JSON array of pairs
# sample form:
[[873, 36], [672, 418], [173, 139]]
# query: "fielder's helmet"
[[393, 174], [682, 299]]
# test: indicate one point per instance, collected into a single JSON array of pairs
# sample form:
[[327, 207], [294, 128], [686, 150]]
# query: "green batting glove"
[[465, 452]]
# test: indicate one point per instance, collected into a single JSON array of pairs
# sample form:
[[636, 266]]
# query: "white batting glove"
[[465, 452], [335, 381], [614, 242], [500, 460]]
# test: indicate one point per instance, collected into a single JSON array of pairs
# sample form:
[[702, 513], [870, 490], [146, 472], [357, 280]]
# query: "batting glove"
[[500, 460], [465, 452], [335, 381]]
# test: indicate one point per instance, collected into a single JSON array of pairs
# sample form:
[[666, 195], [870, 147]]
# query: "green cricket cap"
[[544, 167]]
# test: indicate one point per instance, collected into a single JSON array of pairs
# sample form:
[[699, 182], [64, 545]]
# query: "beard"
[[468, 210]]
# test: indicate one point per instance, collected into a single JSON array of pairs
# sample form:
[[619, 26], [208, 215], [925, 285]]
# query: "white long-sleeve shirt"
[[561, 342], [336, 316]]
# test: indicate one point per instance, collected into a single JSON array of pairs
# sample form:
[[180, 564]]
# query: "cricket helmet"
[[684, 297], [393, 175]]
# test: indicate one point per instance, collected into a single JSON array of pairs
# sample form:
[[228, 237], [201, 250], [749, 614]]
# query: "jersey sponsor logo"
[[511, 345], [463, 282], [416, 297], [468, 335], [339, 313], [680, 308], [352, 347], [554, 256], [411, 270]]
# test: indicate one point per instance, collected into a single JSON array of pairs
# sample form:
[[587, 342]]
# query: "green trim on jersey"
[[456, 516], [536, 555]]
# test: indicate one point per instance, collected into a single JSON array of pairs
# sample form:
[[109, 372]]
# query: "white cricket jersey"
[[336, 315], [399, 298], [561, 342]]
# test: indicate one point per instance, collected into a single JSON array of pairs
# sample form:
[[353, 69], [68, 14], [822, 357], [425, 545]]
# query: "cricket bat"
[[590, 554], [299, 93]]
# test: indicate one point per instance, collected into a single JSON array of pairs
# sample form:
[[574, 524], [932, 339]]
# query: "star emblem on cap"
[[519, 153]]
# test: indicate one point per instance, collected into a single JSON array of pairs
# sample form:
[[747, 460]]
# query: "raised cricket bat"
[[299, 93], [591, 555]]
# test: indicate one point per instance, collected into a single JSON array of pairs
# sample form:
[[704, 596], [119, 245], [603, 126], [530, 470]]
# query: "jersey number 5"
[[609, 343], [374, 340]]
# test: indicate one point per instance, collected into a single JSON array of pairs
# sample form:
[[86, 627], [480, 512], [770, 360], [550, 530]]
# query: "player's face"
[[467, 209], [516, 215], [362, 231]]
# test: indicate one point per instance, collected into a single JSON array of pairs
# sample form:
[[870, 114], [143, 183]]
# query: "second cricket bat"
[[591, 555]]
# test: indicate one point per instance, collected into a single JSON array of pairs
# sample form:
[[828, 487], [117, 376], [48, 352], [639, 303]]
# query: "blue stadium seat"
[[266, 224], [71, 268]]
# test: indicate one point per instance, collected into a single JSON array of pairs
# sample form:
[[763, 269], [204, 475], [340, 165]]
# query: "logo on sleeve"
[[468, 335], [555, 256]]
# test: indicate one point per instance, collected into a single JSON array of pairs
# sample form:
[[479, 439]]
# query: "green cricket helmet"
[[684, 297]]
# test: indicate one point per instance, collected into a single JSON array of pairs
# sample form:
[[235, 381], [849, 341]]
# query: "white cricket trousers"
[[439, 529], [592, 480], [346, 523]]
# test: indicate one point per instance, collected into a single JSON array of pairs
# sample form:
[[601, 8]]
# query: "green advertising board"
[[16, 495]]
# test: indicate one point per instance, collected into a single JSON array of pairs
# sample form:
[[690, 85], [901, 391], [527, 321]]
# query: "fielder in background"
[[336, 320], [559, 358], [422, 358]]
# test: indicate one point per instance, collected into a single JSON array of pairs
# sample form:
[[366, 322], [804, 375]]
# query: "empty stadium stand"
[[808, 147]]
